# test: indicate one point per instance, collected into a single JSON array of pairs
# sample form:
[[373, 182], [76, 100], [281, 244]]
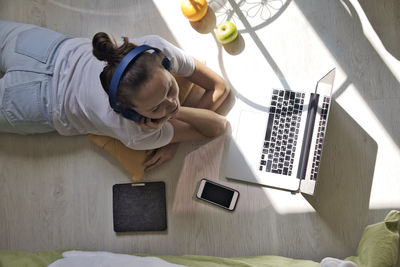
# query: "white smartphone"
[[217, 194]]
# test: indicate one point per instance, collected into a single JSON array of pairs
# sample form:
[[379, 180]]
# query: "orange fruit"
[[194, 10]]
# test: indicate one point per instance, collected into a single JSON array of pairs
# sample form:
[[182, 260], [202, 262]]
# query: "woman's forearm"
[[213, 99], [216, 88], [206, 122]]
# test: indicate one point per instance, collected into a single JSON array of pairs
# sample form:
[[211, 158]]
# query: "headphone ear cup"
[[166, 63]]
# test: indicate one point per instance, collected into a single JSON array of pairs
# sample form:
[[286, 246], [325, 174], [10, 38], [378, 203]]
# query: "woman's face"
[[158, 98]]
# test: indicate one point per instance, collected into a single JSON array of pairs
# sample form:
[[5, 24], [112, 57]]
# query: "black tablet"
[[139, 207]]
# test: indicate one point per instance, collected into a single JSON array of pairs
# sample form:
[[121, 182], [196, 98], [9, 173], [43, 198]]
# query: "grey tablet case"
[[139, 207]]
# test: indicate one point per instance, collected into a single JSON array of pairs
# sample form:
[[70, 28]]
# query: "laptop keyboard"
[[320, 138], [282, 132]]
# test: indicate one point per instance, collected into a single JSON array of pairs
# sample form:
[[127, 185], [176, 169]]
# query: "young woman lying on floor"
[[123, 90]]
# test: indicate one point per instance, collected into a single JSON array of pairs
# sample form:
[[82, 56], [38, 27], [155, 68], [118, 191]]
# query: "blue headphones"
[[125, 62]]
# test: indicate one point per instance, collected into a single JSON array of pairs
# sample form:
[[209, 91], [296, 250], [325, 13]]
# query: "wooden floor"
[[55, 191]]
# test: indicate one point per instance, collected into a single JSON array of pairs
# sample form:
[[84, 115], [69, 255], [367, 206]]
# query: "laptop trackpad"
[[246, 145]]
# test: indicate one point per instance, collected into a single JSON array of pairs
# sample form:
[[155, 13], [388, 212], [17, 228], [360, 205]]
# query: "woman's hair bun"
[[103, 47]]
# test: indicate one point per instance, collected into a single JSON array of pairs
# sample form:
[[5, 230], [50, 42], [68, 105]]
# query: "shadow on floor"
[[384, 17]]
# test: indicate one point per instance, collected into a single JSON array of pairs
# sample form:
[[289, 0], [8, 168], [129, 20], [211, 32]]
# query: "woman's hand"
[[160, 155], [156, 124]]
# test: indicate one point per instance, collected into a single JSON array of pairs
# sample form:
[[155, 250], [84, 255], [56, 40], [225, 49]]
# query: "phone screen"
[[217, 194]]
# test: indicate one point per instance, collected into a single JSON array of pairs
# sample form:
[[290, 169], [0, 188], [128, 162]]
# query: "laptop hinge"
[[308, 133]]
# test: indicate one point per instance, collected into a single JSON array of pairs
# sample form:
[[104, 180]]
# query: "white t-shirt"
[[81, 106]]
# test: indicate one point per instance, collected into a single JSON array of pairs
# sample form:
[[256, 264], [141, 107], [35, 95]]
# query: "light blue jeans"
[[27, 57]]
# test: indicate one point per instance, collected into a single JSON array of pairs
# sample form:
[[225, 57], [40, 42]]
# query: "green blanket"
[[379, 244], [378, 248]]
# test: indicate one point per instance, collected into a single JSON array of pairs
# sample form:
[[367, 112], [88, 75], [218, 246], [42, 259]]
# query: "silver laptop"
[[282, 148]]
